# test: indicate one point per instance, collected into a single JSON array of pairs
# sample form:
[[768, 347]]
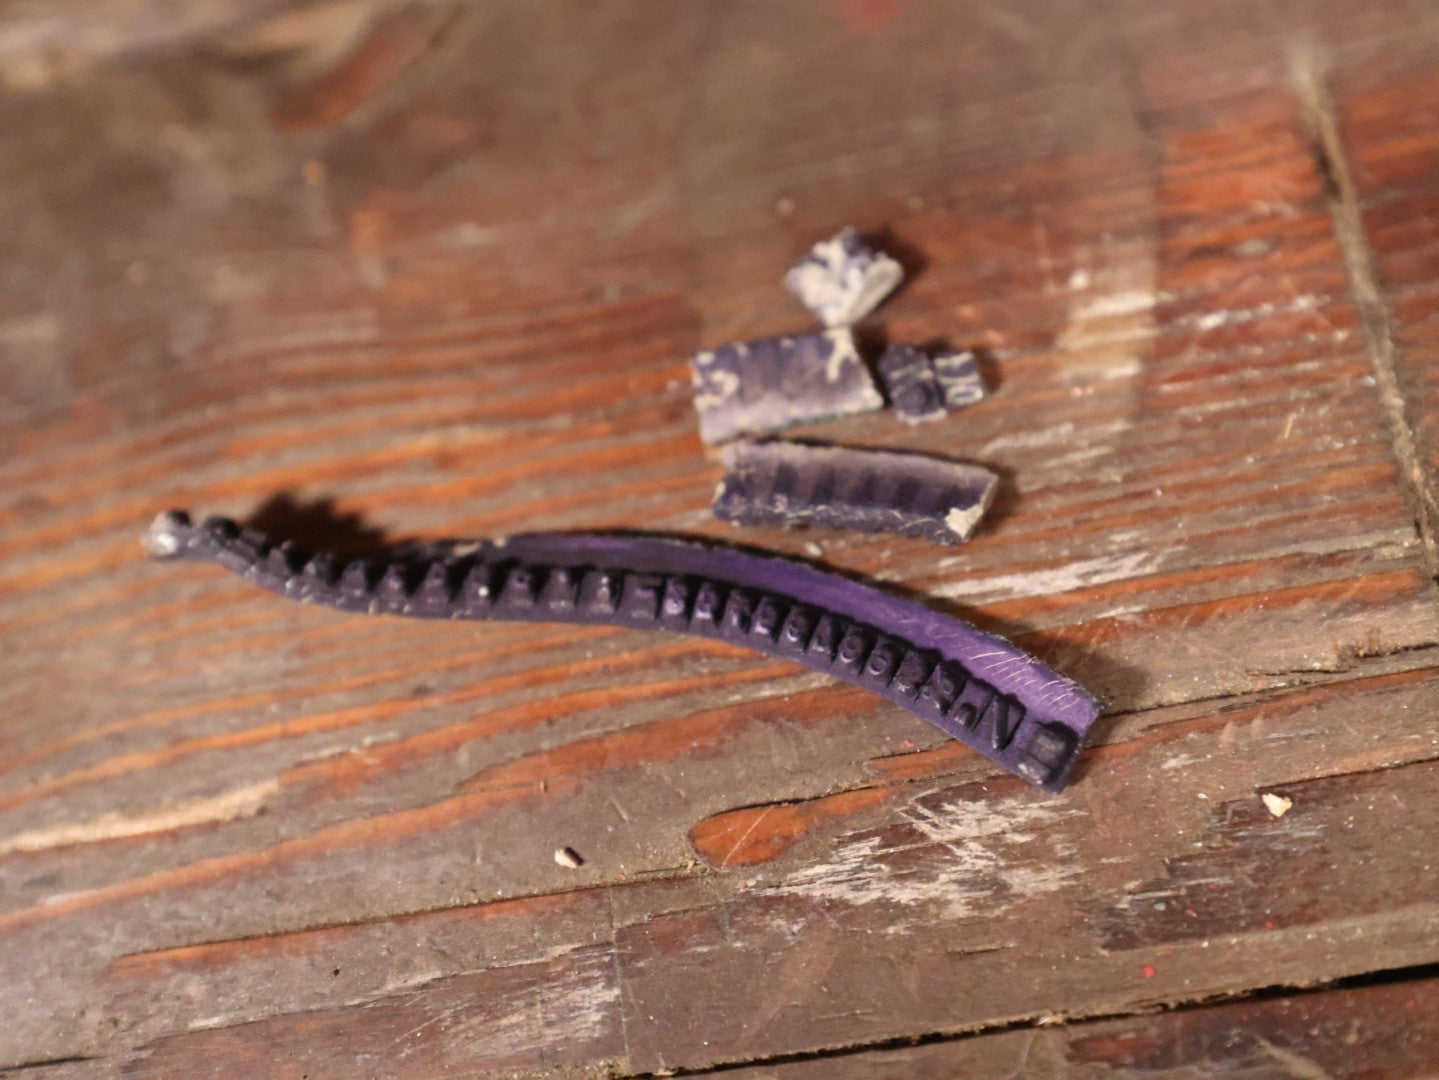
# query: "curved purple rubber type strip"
[[974, 686]]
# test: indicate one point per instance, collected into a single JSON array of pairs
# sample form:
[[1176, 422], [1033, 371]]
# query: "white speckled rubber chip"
[[761, 386], [843, 279]]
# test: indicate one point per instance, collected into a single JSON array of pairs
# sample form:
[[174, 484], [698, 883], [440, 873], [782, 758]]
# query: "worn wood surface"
[[363, 270]]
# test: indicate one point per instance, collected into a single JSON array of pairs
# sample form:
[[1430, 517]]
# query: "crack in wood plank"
[[1308, 80], [1034, 1023]]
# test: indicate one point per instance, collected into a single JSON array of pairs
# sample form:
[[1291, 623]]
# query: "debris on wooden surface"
[[1278, 805], [781, 483], [761, 386], [843, 279], [568, 858], [923, 387]]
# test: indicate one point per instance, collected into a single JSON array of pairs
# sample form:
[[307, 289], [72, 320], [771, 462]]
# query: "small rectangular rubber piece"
[[923, 387], [788, 484], [763, 386]]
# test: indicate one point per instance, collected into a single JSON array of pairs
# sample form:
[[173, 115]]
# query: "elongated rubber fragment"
[[838, 487], [974, 686]]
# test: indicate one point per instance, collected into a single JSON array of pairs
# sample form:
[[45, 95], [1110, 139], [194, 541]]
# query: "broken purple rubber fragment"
[[909, 382], [960, 380], [843, 279], [972, 685], [922, 387], [784, 483], [766, 385]]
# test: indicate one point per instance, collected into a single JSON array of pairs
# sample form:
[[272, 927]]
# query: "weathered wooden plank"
[[1392, 156], [433, 1030], [958, 907], [42, 44], [459, 300], [61, 1069], [1177, 883], [1371, 1031]]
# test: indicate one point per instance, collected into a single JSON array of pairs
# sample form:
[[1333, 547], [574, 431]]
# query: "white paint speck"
[[841, 356], [1278, 805], [961, 521], [229, 805], [1112, 305], [974, 859], [1076, 575]]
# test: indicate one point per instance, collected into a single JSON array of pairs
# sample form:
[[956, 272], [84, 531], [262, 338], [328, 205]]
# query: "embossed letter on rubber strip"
[[974, 686]]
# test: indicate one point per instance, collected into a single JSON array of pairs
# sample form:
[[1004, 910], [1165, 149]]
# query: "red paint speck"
[[908, 744], [1148, 970], [1269, 924], [869, 16], [1191, 913]]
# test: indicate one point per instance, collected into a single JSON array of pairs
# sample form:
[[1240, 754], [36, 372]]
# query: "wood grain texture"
[[1390, 159], [365, 270], [1372, 1032]]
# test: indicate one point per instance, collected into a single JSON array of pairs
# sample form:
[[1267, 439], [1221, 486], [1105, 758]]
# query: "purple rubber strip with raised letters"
[[972, 685]]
